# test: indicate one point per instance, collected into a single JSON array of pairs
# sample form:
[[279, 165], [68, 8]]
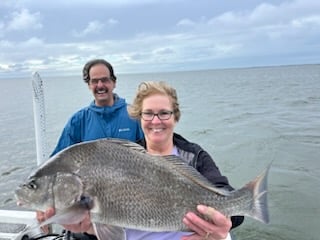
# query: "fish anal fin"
[[109, 232]]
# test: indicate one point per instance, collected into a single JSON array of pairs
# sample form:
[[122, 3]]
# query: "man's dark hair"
[[88, 65]]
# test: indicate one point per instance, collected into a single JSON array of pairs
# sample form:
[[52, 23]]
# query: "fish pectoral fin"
[[109, 232], [67, 216]]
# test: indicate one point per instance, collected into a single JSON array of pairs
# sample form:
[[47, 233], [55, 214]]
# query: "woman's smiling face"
[[156, 130]]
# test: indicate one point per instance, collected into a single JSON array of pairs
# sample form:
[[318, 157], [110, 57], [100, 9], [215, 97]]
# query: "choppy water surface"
[[246, 118]]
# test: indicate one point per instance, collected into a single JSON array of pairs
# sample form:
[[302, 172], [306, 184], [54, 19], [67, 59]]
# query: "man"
[[105, 117]]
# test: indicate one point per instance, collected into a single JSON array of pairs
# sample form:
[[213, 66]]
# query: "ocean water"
[[246, 118]]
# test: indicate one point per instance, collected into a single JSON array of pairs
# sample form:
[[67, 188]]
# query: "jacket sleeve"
[[70, 135], [207, 167], [140, 134]]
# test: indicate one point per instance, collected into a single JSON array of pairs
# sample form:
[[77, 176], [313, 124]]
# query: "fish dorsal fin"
[[125, 143], [192, 174], [175, 162]]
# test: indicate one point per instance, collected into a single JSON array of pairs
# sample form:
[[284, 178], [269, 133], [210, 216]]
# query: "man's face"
[[101, 85]]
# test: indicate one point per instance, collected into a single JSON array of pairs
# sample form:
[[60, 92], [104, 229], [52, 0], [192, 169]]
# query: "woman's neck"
[[160, 149]]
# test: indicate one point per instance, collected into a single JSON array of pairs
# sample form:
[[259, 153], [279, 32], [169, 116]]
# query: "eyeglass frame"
[[95, 81], [157, 114]]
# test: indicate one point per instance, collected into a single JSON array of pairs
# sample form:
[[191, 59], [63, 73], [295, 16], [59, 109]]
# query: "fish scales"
[[133, 189], [123, 178]]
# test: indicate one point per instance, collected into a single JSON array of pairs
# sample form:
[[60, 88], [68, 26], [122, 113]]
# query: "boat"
[[15, 224], [22, 225]]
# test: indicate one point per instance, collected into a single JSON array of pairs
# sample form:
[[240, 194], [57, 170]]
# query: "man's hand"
[[42, 216]]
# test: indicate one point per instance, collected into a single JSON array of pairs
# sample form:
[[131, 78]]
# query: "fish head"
[[36, 193], [60, 190]]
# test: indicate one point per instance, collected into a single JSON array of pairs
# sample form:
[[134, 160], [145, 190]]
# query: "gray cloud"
[[149, 35], [23, 20]]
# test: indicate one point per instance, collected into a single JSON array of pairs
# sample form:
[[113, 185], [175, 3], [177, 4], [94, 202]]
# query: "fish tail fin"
[[259, 206]]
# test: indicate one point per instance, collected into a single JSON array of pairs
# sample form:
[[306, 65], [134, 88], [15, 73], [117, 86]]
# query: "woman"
[[156, 107]]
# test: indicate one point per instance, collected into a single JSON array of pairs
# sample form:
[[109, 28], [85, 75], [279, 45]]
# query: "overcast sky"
[[58, 37]]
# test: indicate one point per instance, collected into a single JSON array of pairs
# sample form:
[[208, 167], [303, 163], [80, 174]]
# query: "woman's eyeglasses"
[[162, 115]]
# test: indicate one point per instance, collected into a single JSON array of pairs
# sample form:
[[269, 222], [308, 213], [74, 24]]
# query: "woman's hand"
[[84, 226], [217, 229]]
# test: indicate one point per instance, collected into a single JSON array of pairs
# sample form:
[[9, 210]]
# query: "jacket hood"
[[118, 103]]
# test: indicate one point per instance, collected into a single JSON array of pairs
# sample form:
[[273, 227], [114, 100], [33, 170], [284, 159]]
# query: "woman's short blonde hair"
[[150, 88]]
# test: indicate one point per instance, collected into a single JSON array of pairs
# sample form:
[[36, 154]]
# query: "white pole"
[[39, 115], [39, 118]]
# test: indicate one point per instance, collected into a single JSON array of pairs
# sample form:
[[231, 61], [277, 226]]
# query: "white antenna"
[[39, 118]]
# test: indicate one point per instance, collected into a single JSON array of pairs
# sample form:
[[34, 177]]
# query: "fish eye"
[[31, 185]]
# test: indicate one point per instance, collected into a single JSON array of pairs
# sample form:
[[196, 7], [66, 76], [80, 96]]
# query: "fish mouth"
[[20, 203]]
